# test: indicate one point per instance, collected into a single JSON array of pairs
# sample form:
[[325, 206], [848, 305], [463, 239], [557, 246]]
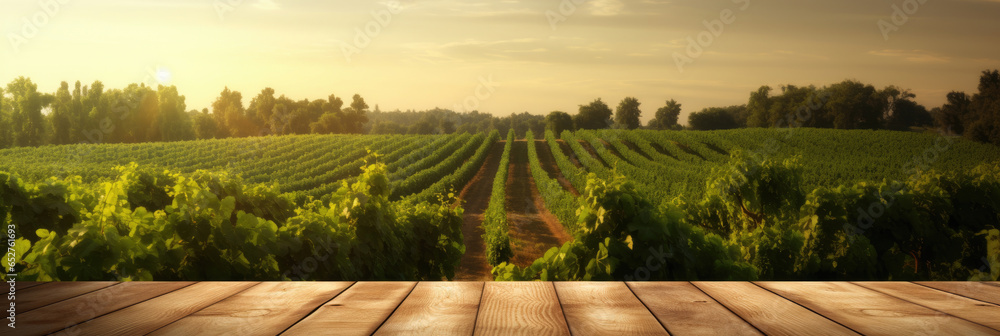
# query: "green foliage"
[[716, 118], [458, 178], [596, 115], [828, 214], [444, 165], [211, 226], [627, 114], [557, 200], [495, 226], [558, 121], [623, 236], [666, 117], [575, 175], [795, 204], [933, 227]]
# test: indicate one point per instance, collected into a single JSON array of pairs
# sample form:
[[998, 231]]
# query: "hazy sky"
[[436, 53]]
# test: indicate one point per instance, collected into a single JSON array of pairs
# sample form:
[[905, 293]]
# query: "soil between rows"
[[476, 197], [533, 229]]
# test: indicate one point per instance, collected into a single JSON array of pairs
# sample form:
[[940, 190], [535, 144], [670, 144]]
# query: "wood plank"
[[28, 284], [436, 308], [970, 289], [264, 309], [360, 310], [147, 316], [601, 308], [520, 308], [52, 292], [960, 306], [872, 313], [771, 314], [67, 313], [685, 310]]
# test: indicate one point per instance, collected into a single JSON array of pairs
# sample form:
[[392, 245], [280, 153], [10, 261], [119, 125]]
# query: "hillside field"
[[781, 204]]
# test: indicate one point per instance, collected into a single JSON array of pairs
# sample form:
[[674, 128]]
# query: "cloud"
[[606, 7], [913, 56]]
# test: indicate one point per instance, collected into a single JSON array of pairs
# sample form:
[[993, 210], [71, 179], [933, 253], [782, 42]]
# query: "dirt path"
[[476, 194], [548, 163], [569, 153], [533, 230], [614, 151], [590, 149]]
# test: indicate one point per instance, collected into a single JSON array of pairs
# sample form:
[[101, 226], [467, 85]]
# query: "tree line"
[[141, 113], [846, 105]]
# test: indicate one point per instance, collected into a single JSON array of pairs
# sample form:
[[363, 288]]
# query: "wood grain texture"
[[68, 313], [520, 308], [602, 308], [685, 310], [771, 314], [265, 309], [987, 314], [464, 308], [872, 313], [51, 292], [147, 316], [360, 310], [970, 289], [28, 284], [436, 308]]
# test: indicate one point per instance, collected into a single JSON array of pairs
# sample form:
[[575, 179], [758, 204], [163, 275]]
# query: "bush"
[[200, 233]]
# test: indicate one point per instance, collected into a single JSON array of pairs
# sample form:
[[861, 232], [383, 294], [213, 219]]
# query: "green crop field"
[[779, 204]]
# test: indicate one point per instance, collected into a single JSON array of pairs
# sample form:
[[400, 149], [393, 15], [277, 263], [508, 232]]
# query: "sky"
[[505, 56]]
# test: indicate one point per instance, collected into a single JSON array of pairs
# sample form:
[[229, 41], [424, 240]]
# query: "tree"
[[446, 126], [298, 122], [354, 117], [330, 117], [230, 115], [5, 128], [558, 121], [27, 122], [259, 112], [172, 116], [146, 126], [60, 117], [421, 127], [388, 127], [759, 108], [953, 114], [77, 115], [855, 105], [907, 113], [327, 123], [713, 118], [983, 123], [281, 115], [986, 102], [204, 125], [985, 130], [89, 111], [627, 114], [666, 116], [335, 104], [596, 115]]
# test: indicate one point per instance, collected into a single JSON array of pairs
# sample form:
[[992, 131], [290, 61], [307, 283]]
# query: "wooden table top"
[[503, 308]]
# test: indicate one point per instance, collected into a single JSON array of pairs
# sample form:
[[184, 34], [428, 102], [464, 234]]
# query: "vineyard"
[[782, 204]]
